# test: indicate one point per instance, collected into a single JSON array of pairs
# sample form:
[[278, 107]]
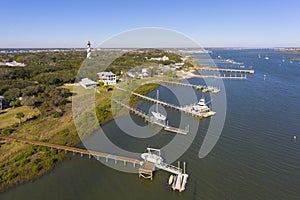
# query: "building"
[[87, 83], [164, 58], [108, 78]]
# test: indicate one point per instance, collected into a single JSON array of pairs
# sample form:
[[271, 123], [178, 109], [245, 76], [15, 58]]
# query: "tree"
[[19, 116], [12, 94], [28, 101], [15, 103]]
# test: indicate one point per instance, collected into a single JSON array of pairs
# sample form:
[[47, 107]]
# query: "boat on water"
[[153, 156], [157, 115], [200, 109], [267, 58], [171, 178], [201, 105]]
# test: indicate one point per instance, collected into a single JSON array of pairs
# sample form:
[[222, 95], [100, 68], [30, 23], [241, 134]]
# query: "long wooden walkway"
[[250, 71], [203, 88], [243, 77], [147, 118], [179, 108], [97, 154]]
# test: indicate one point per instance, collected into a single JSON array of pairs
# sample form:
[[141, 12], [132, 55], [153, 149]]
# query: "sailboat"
[[157, 115]]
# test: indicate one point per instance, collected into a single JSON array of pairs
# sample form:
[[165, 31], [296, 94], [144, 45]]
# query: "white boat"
[[171, 179], [267, 58], [157, 115], [202, 105], [153, 157]]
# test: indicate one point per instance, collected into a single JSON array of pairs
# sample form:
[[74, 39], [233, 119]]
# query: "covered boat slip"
[[153, 160]]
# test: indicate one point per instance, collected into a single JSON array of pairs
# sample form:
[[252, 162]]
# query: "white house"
[[87, 83], [108, 78], [164, 58]]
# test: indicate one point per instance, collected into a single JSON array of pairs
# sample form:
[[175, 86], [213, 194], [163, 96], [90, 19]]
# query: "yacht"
[[157, 115], [202, 105]]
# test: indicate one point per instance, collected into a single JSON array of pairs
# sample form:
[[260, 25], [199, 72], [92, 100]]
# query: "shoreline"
[[8, 187]]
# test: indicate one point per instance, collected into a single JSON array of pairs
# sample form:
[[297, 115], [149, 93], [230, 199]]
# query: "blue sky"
[[228, 23]]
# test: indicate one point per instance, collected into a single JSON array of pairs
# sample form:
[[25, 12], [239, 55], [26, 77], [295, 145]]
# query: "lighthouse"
[[89, 51]]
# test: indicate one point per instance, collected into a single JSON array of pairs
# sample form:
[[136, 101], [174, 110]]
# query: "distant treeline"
[[37, 84]]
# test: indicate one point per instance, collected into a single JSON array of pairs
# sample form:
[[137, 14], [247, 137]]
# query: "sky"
[[217, 23]]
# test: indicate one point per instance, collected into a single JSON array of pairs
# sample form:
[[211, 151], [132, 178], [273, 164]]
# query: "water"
[[256, 156]]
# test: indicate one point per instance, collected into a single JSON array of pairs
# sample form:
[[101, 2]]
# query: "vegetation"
[[37, 96], [36, 84], [133, 59], [37, 99], [19, 116], [8, 119]]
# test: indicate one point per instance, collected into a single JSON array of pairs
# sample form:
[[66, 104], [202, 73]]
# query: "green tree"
[[19, 116]]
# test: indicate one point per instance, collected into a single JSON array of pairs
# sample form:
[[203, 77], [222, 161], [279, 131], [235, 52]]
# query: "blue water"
[[256, 156]]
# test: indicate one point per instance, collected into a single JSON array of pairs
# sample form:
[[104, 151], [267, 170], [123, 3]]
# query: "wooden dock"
[[179, 108], [242, 77], [203, 88], [146, 117], [74, 150], [251, 71], [146, 168]]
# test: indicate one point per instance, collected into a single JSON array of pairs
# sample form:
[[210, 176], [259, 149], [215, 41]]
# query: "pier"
[[146, 169], [203, 88], [146, 117], [241, 77], [179, 108], [250, 71], [74, 150], [153, 159]]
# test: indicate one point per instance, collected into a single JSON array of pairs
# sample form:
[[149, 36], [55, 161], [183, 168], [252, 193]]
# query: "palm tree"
[[19, 116]]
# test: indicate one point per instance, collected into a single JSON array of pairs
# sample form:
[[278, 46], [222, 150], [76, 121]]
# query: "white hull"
[[159, 116]]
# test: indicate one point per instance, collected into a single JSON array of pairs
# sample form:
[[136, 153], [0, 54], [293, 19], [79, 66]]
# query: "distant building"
[[12, 64], [87, 83], [108, 78], [144, 70], [164, 58], [178, 65]]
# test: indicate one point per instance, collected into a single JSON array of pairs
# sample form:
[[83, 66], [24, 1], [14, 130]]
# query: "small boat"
[[157, 115], [267, 58], [171, 179]]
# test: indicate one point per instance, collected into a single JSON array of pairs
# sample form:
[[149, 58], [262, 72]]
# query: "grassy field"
[[8, 116]]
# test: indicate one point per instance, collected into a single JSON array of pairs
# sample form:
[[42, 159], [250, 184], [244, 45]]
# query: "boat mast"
[[157, 97]]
